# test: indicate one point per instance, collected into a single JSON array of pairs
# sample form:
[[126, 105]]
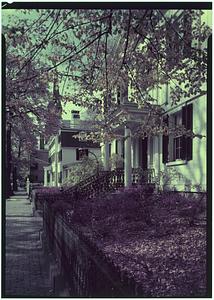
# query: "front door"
[[144, 153]]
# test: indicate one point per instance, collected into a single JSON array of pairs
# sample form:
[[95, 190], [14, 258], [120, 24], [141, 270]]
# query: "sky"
[[8, 16]]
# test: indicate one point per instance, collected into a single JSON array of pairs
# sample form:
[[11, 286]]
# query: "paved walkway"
[[26, 268]]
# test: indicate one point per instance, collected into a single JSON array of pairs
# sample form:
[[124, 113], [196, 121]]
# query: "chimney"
[[75, 117]]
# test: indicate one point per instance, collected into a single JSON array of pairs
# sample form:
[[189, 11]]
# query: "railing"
[[140, 176], [104, 182], [107, 181], [85, 270]]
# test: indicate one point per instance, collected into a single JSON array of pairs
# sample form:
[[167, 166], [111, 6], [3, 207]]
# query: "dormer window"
[[76, 116]]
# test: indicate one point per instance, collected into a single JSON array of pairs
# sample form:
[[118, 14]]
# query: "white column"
[[106, 156], [132, 152], [56, 161], [128, 166], [150, 151], [45, 177], [28, 186], [51, 178]]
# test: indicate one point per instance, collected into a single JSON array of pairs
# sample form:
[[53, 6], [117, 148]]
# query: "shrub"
[[82, 170]]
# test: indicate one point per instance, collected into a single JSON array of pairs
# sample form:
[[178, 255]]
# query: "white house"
[[65, 150], [176, 162]]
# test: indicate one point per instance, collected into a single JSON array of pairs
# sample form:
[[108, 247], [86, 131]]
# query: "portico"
[[133, 149]]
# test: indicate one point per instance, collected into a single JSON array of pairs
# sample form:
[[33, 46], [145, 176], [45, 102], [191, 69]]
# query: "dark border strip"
[[209, 169], [106, 5], [3, 140]]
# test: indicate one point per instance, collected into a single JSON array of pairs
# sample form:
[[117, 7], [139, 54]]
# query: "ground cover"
[[158, 240]]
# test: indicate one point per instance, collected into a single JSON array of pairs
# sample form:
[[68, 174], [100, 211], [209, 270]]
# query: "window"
[[60, 155], [76, 116], [60, 177], [80, 153], [177, 140], [178, 147], [48, 177]]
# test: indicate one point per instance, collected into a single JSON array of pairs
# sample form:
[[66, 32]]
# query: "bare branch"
[[64, 60], [127, 37], [40, 45]]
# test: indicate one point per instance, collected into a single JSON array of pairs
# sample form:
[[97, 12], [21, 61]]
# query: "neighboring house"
[[64, 150], [175, 162], [38, 159]]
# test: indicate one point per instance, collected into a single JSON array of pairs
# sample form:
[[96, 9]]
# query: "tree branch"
[[127, 37], [40, 45], [64, 60]]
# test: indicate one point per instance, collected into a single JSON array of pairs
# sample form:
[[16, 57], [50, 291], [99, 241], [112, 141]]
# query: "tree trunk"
[[15, 187]]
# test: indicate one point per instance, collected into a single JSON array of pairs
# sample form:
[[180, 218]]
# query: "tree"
[[27, 105], [92, 51]]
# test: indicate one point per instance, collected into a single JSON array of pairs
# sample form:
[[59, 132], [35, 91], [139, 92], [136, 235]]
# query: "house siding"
[[190, 175]]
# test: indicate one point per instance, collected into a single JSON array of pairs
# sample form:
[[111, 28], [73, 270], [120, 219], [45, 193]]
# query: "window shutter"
[[165, 143], [77, 154], [187, 119], [189, 127], [183, 139], [109, 150]]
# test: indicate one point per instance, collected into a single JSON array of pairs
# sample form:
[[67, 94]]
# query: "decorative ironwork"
[[108, 181]]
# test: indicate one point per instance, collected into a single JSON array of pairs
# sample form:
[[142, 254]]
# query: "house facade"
[[38, 160], [177, 161], [65, 150]]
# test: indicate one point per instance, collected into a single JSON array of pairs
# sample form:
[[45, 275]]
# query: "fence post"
[[28, 186]]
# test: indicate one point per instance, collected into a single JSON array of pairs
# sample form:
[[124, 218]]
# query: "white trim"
[[177, 162]]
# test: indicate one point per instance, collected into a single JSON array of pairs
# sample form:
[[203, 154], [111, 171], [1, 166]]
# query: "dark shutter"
[[116, 147], [109, 149], [165, 143], [187, 121], [189, 127], [183, 139], [77, 154]]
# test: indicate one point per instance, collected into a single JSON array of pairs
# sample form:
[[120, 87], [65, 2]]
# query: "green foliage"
[[116, 161], [82, 170]]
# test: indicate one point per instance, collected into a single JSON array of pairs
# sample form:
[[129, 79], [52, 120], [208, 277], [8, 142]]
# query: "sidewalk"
[[26, 272]]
